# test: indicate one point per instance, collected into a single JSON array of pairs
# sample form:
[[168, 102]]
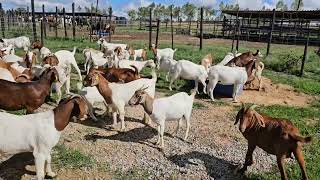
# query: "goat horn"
[[253, 106]]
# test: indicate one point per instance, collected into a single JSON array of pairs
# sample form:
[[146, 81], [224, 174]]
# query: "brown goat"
[[25, 76], [52, 60], [30, 95], [36, 45], [274, 135], [243, 59], [118, 74]]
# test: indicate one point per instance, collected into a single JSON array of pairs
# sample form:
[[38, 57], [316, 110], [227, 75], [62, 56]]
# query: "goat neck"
[[148, 104], [104, 89], [63, 113]]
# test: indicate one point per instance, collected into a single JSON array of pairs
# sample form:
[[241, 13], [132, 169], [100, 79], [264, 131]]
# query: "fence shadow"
[[216, 168]]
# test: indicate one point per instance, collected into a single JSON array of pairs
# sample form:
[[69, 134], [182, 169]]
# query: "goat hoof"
[[51, 174]]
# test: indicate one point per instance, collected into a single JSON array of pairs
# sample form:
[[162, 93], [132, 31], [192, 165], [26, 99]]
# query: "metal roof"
[[311, 15]]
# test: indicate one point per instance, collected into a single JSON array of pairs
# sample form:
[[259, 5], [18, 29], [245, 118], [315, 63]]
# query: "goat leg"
[[249, 158], [281, 167], [299, 156]]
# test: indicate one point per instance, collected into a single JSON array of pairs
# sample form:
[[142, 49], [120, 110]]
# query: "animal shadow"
[[15, 167], [216, 168]]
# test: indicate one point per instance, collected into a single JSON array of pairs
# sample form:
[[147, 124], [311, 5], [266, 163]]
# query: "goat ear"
[[1, 40], [260, 119], [239, 115]]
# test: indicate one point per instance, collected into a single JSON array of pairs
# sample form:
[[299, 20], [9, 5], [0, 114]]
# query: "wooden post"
[[34, 29], [44, 22], [238, 34], [223, 25], [305, 54], [56, 23], [90, 34], [73, 23], [234, 31], [41, 32], [8, 19], [2, 20], [171, 29], [28, 14], [100, 32], [158, 28], [150, 28], [201, 27], [271, 29], [64, 23], [110, 22]]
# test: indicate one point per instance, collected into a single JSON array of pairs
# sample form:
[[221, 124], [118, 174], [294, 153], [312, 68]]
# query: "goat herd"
[[114, 80]]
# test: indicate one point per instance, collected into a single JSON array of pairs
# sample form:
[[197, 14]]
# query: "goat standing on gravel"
[[170, 108], [276, 136]]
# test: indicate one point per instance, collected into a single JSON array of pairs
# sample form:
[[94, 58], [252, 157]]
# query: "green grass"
[[131, 174], [197, 105], [64, 157], [308, 121]]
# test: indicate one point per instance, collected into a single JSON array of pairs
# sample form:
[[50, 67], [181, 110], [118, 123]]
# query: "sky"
[[120, 7]]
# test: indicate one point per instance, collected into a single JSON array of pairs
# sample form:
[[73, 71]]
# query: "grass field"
[[306, 119]]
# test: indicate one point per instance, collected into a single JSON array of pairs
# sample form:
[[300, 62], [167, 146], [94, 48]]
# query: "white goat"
[[190, 71], [18, 42], [44, 52], [87, 53], [110, 46], [5, 74], [166, 64], [228, 58], [38, 133], [138, 64], [9, 50], [93, 96], [118, 95], [160, 54], [96, 60], [236, 76], [170, 108], [66, 59]]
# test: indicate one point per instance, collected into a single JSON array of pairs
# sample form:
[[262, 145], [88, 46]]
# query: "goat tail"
[[262, 65], [304, 140], [74, 50], [136, 71], [255, 54], [193, 93], [175, 49]]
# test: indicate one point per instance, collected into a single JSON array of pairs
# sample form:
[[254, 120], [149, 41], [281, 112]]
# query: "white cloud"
[[311, 4]]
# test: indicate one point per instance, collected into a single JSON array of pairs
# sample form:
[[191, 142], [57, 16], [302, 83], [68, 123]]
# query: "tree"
[[295, 5], [280, 5], [176, 12], [189, 11], [132, 14], [79, 8]]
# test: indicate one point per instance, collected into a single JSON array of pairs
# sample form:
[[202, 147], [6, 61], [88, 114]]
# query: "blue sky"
[[122, 6]]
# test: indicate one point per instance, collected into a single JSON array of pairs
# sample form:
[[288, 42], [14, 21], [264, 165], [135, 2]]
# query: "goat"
[[98, 60], [51, 60], [190, 71], [166, 64], [110, 46], [18, 42], [118, 95], [139, 65], [170, 108], [274, 135], [236, 76], [161, 54], [244, 59], [42, 50], [5, 74], [228, 58], [118, 74], [207, 61], [30, 95], [139, 53], [88, 53], [39, 133], [8, 50]]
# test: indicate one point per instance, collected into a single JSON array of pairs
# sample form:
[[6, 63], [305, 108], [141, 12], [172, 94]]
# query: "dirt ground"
[[214, 149]]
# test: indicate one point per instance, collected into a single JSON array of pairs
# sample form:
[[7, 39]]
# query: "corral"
[[96, 150]]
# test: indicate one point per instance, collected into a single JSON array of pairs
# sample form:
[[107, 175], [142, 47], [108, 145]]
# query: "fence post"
[[110, 22], [150, 28], [44, 22], [234, 31], [270, 33], [34, 28], [171, 29], [64, 23], [73, 23], [2, 20], [201, 27], [8, 19], [305, 54], [238, 34], [56, 23], [41, 32], [223, 25], [28, 14], [158, 28], [90, 33]]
